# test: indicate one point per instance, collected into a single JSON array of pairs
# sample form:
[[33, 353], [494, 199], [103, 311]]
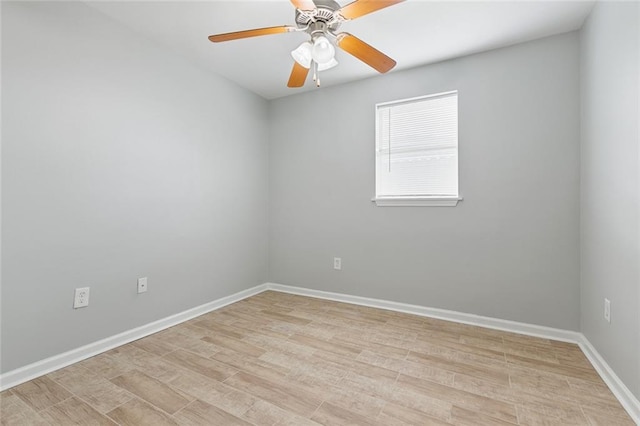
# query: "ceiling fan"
[[321, 19]]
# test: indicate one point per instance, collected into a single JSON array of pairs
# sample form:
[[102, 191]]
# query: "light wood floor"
[[279, 359]]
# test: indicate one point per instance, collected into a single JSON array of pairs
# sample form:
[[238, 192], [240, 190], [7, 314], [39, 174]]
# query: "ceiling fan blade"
[[367, 54], [304, 4], [251, 33], [298, 75], [362, 7]]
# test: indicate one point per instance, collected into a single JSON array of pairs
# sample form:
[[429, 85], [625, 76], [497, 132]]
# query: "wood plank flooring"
[[280, 359]]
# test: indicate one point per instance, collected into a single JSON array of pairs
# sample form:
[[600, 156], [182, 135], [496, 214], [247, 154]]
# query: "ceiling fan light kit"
[[302, 55], [321, 20], [322, 51], [328, 65]]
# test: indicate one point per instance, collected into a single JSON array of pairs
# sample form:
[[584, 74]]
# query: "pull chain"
[[316, 74]]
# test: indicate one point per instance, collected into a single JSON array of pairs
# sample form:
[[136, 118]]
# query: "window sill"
[[417, 201]]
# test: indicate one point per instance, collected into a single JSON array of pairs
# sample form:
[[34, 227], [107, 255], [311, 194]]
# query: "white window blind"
[[417, 147]]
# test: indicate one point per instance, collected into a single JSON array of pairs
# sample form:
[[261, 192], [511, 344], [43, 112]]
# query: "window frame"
[[422, 200]]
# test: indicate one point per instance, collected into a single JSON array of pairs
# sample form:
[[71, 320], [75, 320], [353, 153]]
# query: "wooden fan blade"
[[298, 75], [367, 54], [251, 33], [362, 7], [304, 4]]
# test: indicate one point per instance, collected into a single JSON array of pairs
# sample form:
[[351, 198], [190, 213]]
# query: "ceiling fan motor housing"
[[320, 19]]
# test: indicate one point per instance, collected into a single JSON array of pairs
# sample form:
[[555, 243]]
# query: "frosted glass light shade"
[[322, 51], [302, 54], [328, 65]]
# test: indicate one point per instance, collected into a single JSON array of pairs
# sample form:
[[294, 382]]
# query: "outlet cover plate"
[[81, 298], [337, 263], [607, 310], [142, 285]]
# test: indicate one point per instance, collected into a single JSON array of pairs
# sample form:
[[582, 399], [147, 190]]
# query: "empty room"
[[320, 212]]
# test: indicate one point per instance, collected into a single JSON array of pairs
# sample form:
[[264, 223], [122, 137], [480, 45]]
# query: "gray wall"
[[509, 250], [610, 192], [119, 160]]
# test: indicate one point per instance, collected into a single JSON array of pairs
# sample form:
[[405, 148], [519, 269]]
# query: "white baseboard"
[[45, 366], [40, 368], [618, 388], [460, 317]]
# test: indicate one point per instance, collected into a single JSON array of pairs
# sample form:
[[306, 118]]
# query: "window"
[[417, 151]]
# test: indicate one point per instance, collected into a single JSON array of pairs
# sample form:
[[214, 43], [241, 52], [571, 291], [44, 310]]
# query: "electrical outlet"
[[337, 263], [142, 285], [81, 298], [607, 310]]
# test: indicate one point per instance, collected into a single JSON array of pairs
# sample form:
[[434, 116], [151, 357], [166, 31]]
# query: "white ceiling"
[[415, 32]]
